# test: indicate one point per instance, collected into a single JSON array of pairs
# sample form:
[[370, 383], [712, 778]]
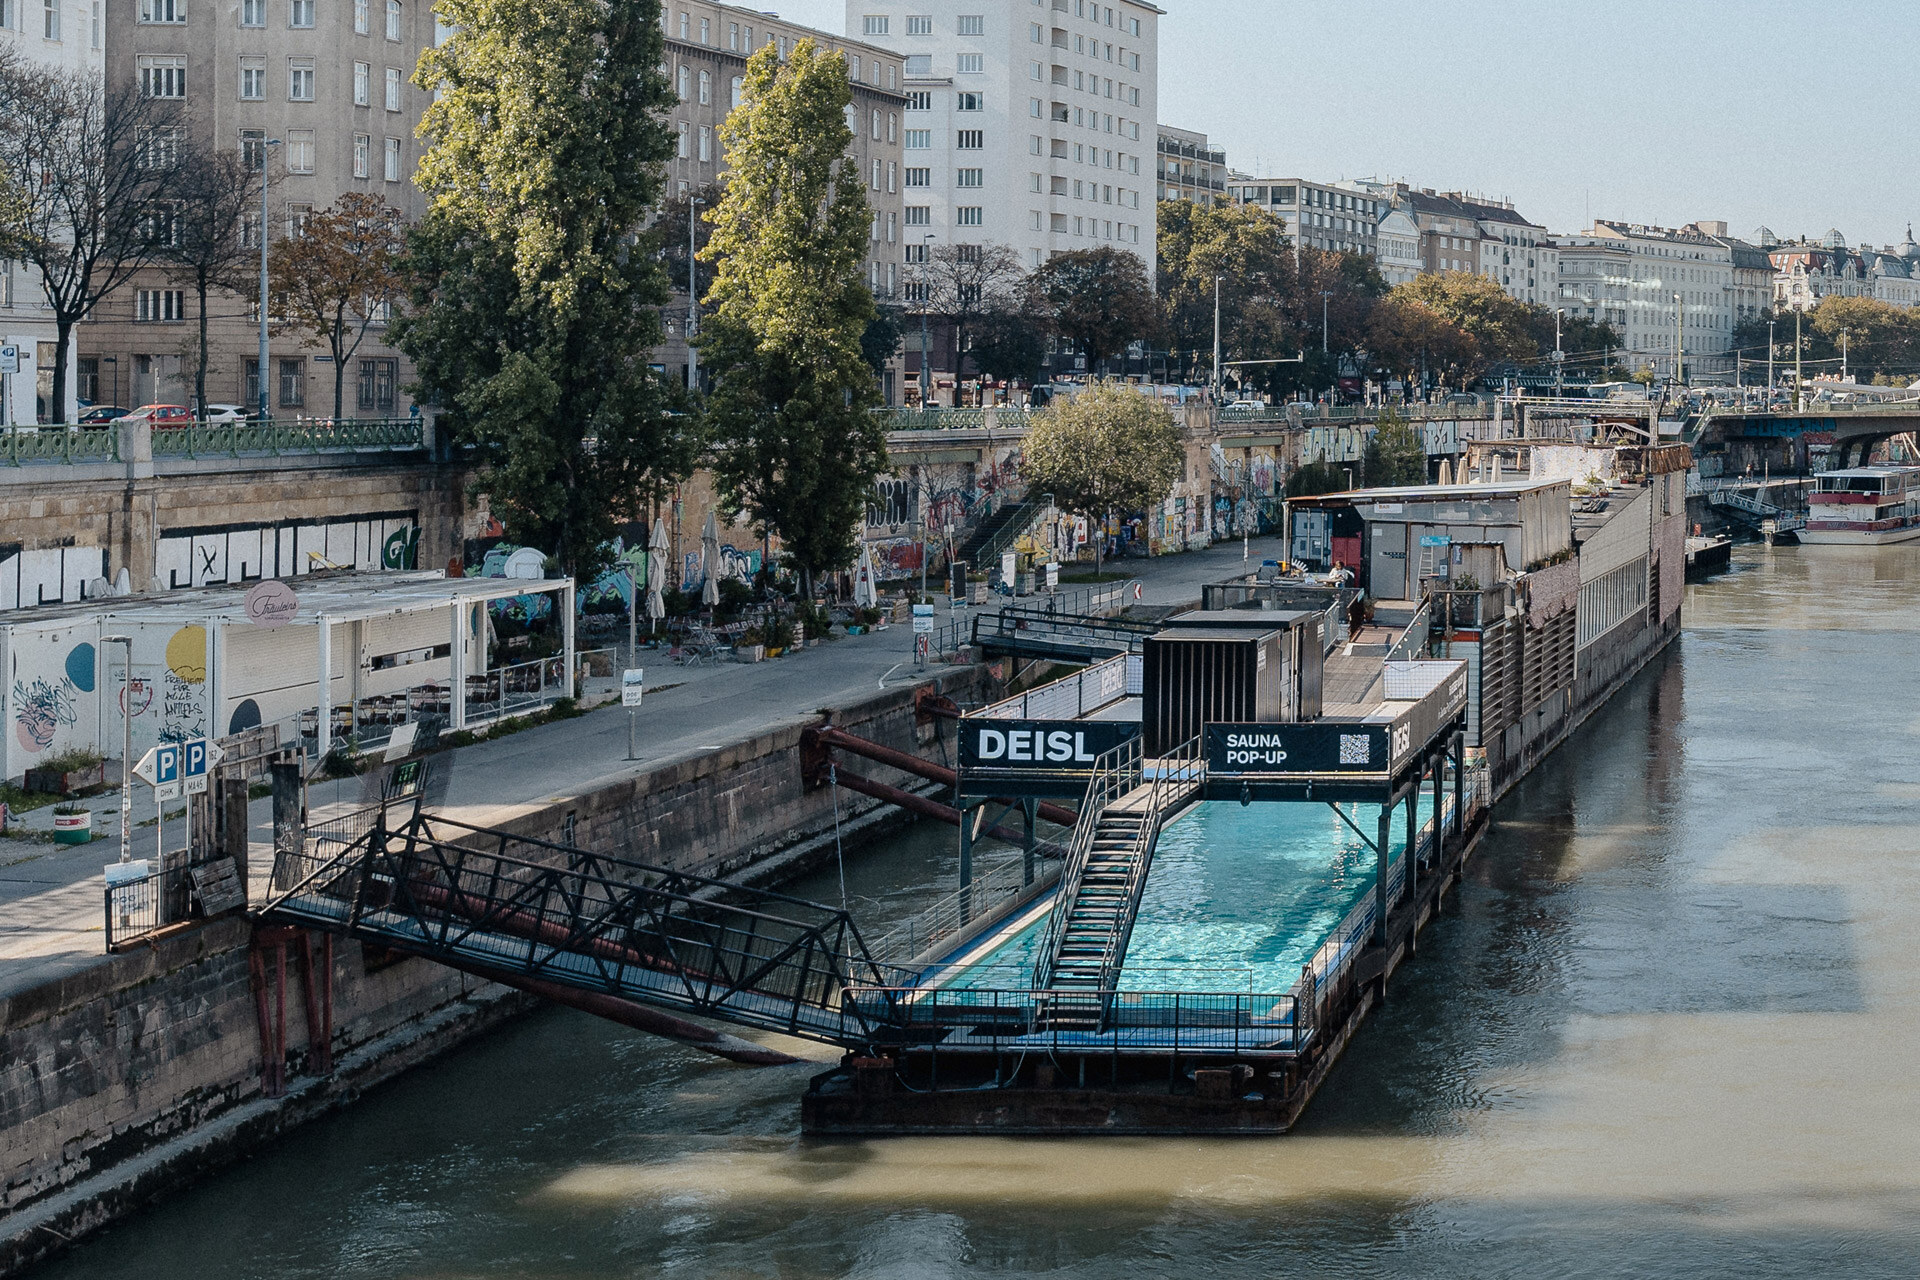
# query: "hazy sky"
[[1796, 114]]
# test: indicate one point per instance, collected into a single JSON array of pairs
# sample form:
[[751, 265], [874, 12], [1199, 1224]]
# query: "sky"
[[1795, 114]]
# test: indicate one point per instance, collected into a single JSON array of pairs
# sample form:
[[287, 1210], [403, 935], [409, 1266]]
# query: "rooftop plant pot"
[[73, 828]]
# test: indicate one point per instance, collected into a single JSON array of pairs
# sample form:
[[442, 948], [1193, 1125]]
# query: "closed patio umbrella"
[[656, 571], [710, 562], [866, 591]]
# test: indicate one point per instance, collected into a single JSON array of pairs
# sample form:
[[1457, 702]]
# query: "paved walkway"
[[52, 897]]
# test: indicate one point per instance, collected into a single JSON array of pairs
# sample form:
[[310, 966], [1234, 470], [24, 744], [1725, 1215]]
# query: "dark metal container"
[[1193, 676]]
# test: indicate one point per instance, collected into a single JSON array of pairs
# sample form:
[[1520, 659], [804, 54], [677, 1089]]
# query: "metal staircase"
[[1129, 800], [997, 532]]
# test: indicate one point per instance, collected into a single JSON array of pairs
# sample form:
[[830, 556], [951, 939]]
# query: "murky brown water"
[[1671, 1027]]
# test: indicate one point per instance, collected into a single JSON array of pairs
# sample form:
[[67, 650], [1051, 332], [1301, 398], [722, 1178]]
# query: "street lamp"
[[926, 300], [126, 746], [1216, 338], [1559, 358], [693, 298], [1770, 325], [1679, 338], [266, 149]]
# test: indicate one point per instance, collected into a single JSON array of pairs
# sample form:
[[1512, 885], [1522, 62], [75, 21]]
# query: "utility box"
[[1304, 645], [1194, 676]]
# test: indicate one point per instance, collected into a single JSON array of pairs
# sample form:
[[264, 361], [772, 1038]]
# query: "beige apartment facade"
[[332, 80], [707, 50]]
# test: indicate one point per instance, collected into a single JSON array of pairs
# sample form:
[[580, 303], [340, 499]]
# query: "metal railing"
[[1191, 1023], [1413, 641], [59, 444], [1032, 630], [1175, 777], [968, 909], [1117, 773], [234, 439], [518, 689], [943, 419], [1067, 698], [564, 915], [135, 908]]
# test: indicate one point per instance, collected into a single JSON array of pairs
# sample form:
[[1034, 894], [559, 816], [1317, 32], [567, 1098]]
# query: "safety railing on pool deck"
[[1189, 1023], [968, 909], [1175, 778]]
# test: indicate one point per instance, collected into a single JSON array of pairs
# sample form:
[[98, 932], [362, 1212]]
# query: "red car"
[[161, 415]]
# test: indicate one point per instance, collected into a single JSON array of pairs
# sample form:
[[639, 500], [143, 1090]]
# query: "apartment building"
[[1322, 215], [707, 50], [1188, 168], [1669, 292], [331, 80], [1029, 123], [62, 35]]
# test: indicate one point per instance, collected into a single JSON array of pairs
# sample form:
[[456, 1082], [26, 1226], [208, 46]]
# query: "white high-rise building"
[[1029, 123], [62, 35]]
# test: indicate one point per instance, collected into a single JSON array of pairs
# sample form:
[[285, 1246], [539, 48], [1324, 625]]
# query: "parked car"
[[161, 415], [1252, 406], [101, 414], [226, 413]]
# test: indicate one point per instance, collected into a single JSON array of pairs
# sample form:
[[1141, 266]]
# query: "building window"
[[685, 86], [253, 148], [362, 85], [969, 216], [973, 24], [377, 379], [920, 100], [706, 31], [50, 19], [253, 13], [706, 88], [734, 91], [163, 77], [300, 13], [362, 155], [919, 139], [393, 88], [917, 215], [299, 151], [971, 140], [919, 177], [683, 144], [393, 20], [362, 24], [157, 147], [706, 143], [969, 102], [853, 68], [970, 178], [163, 10], [253, 79], [156, 305], [293, 383], [971, 64], [393, 160], [920, 24], [893, 127], [299, 79], [893, 178], [874, 24], [920, 64]]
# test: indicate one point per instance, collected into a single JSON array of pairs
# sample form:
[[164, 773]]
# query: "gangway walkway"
[[490, 902], [1025, 632]]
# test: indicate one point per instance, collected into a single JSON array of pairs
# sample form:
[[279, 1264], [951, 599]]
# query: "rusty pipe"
[[829, 736]]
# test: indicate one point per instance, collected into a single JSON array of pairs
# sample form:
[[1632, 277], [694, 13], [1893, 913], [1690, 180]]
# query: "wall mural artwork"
[[183, 687], [41, 710]]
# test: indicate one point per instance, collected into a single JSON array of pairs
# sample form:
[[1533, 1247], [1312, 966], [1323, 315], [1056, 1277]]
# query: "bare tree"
[[967, 282], [339, 277], [209, 247], [98, 167]]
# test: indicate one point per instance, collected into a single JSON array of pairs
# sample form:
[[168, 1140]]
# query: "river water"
[[1670, 1027]]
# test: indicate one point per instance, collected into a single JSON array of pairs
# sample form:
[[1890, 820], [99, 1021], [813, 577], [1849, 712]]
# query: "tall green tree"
[[1499, 324], [1101, 299], [1246, 249], [796, 446], [536, 286], [1396, 455], [1108, 449]]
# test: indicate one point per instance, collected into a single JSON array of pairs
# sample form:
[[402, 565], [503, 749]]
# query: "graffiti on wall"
[[41, 710]]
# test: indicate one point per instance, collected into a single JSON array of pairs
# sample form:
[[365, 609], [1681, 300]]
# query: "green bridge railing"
[[21, 446]]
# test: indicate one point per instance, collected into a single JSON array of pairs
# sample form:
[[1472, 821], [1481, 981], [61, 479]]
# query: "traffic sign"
[[160, 769], [632, 685], [197, 757], [9, 358]]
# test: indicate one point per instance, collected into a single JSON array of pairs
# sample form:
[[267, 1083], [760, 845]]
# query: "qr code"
[[1356, 748]]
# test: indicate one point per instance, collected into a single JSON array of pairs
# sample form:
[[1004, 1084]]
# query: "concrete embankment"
[[121, 1082]]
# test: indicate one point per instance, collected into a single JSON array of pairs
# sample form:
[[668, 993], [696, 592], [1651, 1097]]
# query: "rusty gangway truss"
[[492, 902]]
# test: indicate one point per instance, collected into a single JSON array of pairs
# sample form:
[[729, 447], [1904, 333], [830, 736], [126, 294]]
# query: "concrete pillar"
[[1381, 848], [457, 669], [323, 688], [566, 635]]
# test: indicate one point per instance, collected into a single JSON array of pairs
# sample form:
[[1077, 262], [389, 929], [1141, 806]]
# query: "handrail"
[[1185, 767], [1117, 772], [1414, 639]]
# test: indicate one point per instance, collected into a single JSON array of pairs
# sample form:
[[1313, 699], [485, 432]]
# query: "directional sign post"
[[633, 685], [160, 769], [197, 759]]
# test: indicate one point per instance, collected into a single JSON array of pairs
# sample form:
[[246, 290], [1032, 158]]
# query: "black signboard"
[[1035, 757], [1315, 747]]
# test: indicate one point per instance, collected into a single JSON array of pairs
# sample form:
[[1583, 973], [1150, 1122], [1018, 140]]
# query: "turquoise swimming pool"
[[1238, 899]]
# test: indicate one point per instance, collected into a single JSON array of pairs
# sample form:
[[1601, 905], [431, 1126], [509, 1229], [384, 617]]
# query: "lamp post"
[[693, 297], [1843, 355], [1799, 387], [126, 746], [926, 301], [1559, 358], [266, 149], [1679, 338], [1216, 338], [1770, 325]]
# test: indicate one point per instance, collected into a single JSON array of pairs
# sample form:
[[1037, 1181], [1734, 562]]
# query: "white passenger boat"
[[1864, 506]]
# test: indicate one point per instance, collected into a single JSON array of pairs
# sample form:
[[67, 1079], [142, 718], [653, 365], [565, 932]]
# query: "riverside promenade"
[[51, 896]]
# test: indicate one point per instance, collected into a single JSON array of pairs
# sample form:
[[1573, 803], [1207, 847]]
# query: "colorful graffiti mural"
[[41, 710]]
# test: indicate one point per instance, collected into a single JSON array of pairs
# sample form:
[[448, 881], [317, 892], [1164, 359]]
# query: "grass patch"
[[19, 801]]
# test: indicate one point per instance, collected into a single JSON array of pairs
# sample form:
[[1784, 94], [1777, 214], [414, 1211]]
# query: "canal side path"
[[52, 900]]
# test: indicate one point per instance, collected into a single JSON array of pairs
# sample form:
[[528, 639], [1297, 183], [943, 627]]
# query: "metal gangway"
[[498, 904], [1026, 632], [1733, 494]]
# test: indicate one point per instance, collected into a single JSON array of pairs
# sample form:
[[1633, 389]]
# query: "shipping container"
[[1193, 676]]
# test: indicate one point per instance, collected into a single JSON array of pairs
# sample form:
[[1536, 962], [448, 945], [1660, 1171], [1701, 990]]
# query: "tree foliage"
[[535, 286], [1501, 326], [1101, 300], [1413, 340], [1109, 449], [217, 189], [1316, 477], [1245, 248], [1397, 453], [796, 447], [968, 282], [103, 162], [1011, 342], [338, 277]]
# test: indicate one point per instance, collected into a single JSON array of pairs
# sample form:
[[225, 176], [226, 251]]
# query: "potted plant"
[[72, 824], [751, 647], [67, 773]]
